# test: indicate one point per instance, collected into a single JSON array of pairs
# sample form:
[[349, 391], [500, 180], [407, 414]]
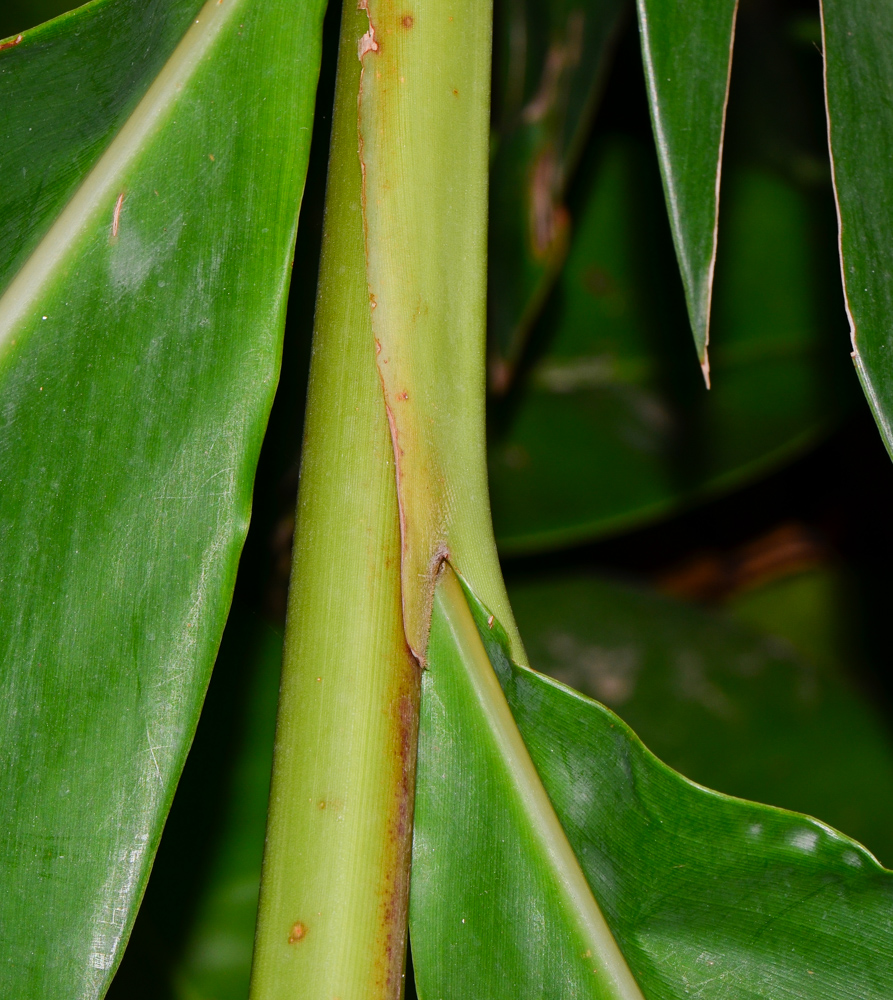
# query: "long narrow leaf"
[[858, 44], [687, 54]]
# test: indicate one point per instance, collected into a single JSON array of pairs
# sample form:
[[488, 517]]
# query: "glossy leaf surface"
[[512, 866], [550, 63], [687, 56], [194, 934], [731, 708], [639, 436], [154, 157], [858, 46], [703, 893], [195, 930]]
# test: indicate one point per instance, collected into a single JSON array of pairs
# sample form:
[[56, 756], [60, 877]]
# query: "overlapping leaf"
[[703, 893], [797, 737], [153, 158], [737, 710]]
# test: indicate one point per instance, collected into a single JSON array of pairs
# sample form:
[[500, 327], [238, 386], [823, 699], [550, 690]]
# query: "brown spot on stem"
[[407, 21], [297, 933]]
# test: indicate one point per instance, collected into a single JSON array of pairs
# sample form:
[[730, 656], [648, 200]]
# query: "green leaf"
[[717, 701], [153, 158], [729, 707], [638, 437], [687, 56], [194, 934], [858, 46], [703, 893], [499, 905], [550, 63]]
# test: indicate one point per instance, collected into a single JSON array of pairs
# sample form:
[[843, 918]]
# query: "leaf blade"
[[554, 63], [578, 955], [735, 710], [699, 889], [132, 423], [687, 55], [639, 438], [856, 39]]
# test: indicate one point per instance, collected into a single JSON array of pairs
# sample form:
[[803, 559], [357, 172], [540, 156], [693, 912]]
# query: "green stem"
[[332, 919], [393, 481], [424, 144]]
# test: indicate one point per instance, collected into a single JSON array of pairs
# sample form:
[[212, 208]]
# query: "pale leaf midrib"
[[103, 184], [544, 822]]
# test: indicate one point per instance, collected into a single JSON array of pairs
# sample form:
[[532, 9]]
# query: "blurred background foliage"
[[714, 566]]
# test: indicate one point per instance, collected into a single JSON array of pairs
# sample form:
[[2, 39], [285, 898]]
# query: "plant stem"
[[424, 145], [393, 481], [332, 919]]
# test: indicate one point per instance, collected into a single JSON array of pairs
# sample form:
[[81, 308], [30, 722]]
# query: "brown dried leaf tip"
[[297, 932]]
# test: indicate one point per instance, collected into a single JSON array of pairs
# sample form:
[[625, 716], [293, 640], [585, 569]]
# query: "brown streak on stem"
[[12, 43], [395, 894]]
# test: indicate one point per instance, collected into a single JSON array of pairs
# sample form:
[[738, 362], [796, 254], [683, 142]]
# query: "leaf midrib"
[[543, 821], [102, 187]]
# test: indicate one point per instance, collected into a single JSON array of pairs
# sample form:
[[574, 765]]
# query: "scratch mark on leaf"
[[116, 215]]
